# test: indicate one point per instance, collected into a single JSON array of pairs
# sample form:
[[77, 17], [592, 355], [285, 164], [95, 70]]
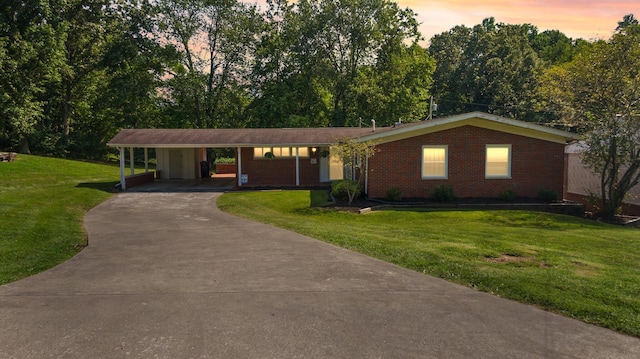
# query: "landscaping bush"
[[339, 189], [443, 194], [507, 195], [394, 194], [226, 160], [548, 195]]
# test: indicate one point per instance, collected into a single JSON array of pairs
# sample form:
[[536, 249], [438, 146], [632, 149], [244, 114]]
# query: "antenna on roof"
[[433, 107], [373, 123]]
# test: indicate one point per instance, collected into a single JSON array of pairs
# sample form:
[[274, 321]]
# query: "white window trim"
[[509, 161], [446, 163]]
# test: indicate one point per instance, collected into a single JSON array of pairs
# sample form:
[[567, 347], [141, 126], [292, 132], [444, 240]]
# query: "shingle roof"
[[245, 137], [301, 137]]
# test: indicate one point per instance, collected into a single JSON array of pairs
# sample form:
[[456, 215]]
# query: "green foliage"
[[354, 156], [579, 268], [507, 195], [443, 194], [598, 93], [490, 67], [393, 194], [225, 160], [345, 190], [548, 195]]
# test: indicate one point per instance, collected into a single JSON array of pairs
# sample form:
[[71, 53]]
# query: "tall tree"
[[490, 67], [333, 56], [216, 39], [28, 56], [599, 93]]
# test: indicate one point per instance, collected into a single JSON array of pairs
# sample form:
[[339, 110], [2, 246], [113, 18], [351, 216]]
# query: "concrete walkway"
[[167, 275]]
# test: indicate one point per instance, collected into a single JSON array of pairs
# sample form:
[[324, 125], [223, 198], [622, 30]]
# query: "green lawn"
[[42, 205], [579, 268]]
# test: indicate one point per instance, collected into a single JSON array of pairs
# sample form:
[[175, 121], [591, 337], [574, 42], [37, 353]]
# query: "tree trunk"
[[24, 145]]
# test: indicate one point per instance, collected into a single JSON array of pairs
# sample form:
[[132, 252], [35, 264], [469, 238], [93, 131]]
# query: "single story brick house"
[[478, 154]]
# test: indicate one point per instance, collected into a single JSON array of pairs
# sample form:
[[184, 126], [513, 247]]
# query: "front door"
[[324, 169]]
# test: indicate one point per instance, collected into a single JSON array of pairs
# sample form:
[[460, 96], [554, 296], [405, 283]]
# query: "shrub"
[[394, 194], [443, 193], [548, 195], [339, 189], [225, 160], [507, 195]]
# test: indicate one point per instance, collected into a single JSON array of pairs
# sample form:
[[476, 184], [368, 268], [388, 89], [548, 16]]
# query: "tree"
[[627, 20], [28, 57], [354, 156], [216, 40], [490, 67], [599, 93], [324, 62]]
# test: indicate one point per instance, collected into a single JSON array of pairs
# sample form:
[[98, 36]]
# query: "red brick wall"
[[139, 179], [279, 172], [536, 164]]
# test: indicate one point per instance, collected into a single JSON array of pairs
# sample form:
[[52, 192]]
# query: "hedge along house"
[[478, 154]]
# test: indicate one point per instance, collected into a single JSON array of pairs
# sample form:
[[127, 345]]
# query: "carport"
[[298, 155]]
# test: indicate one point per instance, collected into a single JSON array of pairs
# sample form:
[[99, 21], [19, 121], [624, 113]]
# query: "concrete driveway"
[[167, 275]]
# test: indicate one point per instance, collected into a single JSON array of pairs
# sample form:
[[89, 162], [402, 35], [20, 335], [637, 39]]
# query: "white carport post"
[[239, 174], [146, 160], [297, 167], [131, 160], [123, 183]]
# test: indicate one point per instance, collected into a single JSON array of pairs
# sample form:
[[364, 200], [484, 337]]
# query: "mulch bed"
[[362, 205]]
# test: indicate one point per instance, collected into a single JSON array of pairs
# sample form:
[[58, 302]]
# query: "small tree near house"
[[599, 92], [354, 155]]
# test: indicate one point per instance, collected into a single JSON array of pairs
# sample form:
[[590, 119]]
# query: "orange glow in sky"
[[587, 19]]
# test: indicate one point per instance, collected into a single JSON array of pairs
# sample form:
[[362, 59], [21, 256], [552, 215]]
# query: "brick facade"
[[279, 172], [536, 164]]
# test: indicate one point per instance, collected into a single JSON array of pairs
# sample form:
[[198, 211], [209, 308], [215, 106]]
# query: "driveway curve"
[[167, 275]]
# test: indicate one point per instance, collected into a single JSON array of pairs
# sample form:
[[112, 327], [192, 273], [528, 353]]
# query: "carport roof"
[[244, 137]]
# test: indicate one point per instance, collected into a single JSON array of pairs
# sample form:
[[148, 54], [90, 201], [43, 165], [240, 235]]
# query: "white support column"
[[146, 160], [123, 183], [297, 167], [131, 161], [239, 169]]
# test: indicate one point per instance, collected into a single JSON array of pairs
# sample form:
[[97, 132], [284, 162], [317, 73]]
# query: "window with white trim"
[[435, 162], [498, 161], [280, 152]]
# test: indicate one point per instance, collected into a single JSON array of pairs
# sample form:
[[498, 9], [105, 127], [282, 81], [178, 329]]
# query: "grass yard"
[[42, 205], [579, 268]]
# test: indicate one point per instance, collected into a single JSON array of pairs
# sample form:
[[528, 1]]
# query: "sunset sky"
[[587, 19]]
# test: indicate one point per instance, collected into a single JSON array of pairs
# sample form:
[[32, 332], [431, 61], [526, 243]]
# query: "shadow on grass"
[[100, 186]]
